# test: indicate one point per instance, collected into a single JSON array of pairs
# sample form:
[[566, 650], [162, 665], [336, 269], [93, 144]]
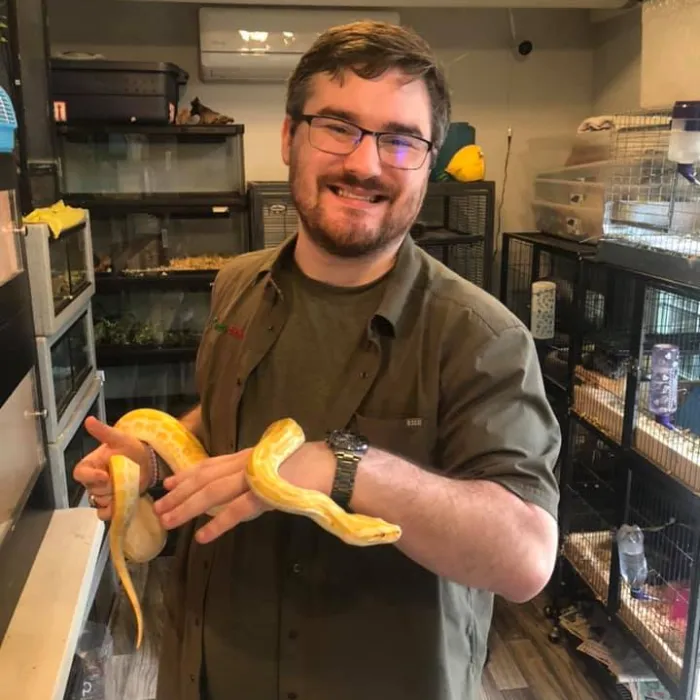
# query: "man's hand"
[[221, 482], [93, 470]]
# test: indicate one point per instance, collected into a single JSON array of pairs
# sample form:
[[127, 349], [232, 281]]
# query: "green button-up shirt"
[[445, 377]]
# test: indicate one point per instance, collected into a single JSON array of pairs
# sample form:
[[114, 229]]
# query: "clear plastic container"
[[684, 140], [583, 224], [570, 192]]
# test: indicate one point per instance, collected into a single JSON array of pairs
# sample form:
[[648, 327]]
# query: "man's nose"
[[364, 161]]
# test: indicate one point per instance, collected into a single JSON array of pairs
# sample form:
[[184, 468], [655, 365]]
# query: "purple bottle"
[[663, 387]]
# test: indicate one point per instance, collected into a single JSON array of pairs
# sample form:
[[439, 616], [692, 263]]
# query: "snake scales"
[[135, 533]]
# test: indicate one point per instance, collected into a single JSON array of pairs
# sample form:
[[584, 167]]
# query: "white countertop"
[[37, 651]]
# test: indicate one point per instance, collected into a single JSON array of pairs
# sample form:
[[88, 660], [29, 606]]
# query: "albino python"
[[135, 532]]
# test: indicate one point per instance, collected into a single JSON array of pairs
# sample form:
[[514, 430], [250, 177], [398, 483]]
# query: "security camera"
[[525, 48]]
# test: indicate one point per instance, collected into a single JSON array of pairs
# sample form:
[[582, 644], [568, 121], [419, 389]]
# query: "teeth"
[[351, 195]]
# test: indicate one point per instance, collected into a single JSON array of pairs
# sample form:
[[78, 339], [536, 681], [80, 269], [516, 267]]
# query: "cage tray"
[[605, 411], [646, 619]]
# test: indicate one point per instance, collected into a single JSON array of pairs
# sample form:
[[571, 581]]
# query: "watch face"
[[346, 441]]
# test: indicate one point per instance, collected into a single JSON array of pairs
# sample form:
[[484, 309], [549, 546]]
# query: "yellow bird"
[[467, 164]]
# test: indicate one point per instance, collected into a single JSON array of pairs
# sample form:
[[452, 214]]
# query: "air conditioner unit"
[[264, 44]]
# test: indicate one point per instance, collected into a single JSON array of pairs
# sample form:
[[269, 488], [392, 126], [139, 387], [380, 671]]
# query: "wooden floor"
[[523, 664]]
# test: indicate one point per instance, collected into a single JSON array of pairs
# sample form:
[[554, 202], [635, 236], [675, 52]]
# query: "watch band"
[[344, 480]]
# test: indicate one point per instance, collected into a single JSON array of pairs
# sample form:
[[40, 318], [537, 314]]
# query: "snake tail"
[[125, 479], [282, 439]]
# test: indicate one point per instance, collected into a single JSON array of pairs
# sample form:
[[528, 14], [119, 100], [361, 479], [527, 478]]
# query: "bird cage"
[[455, 224], [651, 222]]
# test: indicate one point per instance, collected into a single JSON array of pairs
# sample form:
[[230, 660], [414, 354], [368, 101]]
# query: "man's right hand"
[[93, 470]]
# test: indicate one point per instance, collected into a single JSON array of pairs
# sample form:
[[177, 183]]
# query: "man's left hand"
[[221, 482]]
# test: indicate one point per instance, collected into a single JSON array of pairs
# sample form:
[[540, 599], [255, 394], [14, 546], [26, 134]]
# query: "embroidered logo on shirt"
[[234, 331]]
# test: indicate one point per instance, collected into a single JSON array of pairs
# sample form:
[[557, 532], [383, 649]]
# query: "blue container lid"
[[8, 122]]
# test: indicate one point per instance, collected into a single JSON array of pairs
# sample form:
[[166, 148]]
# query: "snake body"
[[136, 533]]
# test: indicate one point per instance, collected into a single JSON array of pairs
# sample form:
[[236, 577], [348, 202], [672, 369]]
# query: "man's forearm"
[[474, 532]]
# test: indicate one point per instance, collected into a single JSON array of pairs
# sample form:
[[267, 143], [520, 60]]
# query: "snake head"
[[368, 531]]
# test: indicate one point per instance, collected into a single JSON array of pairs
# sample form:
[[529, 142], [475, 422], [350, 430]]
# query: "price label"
[[59, 111]]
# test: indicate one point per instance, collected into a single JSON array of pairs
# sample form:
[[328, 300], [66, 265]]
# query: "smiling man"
[[421, 399]]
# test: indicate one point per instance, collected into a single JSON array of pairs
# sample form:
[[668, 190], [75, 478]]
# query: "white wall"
[[617, 62], [542, 99]]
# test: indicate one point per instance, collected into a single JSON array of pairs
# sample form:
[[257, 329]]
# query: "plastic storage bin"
[[61, 274], [11, 262], [582, 224], [167, 162], [115, 91], [571, 192], [66, 367]]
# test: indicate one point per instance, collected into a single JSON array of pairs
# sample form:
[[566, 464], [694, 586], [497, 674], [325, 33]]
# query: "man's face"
[[355, 204]]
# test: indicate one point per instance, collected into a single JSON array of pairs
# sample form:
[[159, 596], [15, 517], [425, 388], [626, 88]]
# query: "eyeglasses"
[[340, 138]]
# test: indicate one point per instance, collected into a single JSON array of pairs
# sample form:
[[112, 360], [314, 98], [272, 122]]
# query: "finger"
[[101, 500], [90, 476], [232, 464], [211, 494], [245, 507], [106, 434], [104, 513], [185, 484]]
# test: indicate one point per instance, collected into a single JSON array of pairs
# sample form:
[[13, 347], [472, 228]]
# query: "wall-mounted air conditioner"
[[264, 44]]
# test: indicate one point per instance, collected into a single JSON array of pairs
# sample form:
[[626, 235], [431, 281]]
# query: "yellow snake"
[[135, 532]]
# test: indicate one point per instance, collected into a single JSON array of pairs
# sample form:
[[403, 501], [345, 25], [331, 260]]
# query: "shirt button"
[[293, 634], [192, 677], [292, 695], [296, 568], [363, 375]]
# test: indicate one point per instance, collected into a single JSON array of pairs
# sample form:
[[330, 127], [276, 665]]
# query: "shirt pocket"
[[410, 438]]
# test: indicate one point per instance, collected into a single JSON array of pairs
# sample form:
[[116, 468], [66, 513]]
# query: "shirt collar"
[[399, 284]]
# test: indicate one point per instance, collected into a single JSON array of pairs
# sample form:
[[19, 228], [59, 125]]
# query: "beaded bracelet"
[[155, 478]]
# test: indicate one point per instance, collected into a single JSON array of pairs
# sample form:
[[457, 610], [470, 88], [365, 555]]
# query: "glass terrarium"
[[133, 321], [73, 444], [157, 241], [167, 386], [61, 273], [66, 365], [10, 251], [133, 160]]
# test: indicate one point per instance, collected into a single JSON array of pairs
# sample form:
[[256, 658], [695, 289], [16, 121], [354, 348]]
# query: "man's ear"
[[286, 139]]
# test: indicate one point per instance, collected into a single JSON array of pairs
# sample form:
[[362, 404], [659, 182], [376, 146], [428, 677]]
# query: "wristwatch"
[[348, 449]]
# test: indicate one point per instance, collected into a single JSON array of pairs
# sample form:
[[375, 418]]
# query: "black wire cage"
[[540, 280], [631, 454], [455, 224]]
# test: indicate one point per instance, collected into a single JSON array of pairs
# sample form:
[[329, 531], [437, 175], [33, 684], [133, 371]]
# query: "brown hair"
[[369, 49]]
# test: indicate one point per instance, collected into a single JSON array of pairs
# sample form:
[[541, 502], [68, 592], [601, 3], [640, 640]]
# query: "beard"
[[352, 233]]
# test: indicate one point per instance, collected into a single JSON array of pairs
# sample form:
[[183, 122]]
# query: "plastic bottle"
[[633, 562]]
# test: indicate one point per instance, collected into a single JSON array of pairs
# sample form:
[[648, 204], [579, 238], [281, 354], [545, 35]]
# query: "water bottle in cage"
[[633, 562]]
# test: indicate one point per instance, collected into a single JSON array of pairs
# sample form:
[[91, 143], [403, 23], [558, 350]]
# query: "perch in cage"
[[652, 202]]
